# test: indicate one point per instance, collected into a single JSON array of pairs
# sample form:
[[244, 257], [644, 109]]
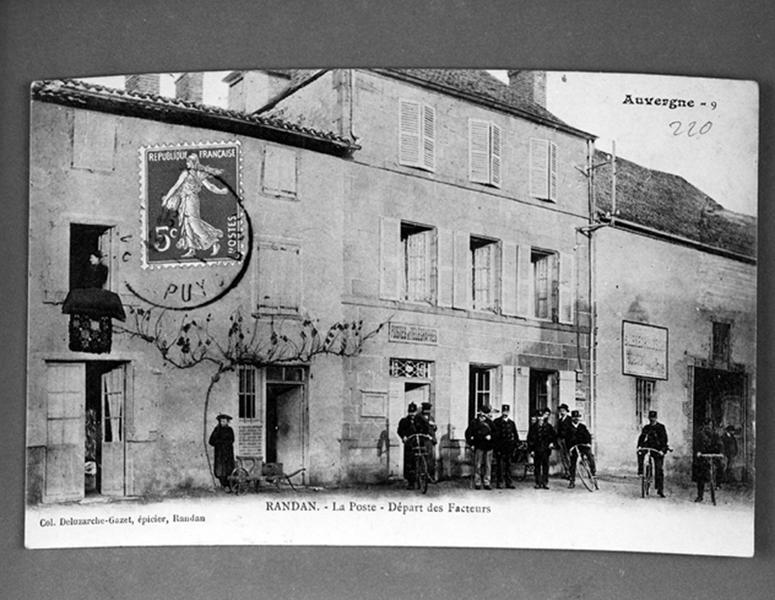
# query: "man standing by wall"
[[506, 440], [540, 442], [480, 437], [563, 433]]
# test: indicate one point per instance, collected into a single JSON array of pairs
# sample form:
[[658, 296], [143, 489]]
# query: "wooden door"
[[113, 394], [65, 431]]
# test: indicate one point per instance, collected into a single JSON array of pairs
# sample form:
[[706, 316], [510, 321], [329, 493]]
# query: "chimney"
[[146, 83], [530, 85], [188, 87], [251, 90]]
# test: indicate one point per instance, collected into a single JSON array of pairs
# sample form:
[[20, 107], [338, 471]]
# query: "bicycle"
[[647, 476], [711, 458], [583, 468], [420, 453]]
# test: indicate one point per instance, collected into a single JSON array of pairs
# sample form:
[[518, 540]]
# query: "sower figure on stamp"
[[222, 441], [579, 434], [479, 436], [425, 424], [540, 443], [563, 433], [706, 441], [506, 441], [654, 435], [407, 427]]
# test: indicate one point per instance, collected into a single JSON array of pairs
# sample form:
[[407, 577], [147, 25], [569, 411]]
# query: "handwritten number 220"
[[690, 128]]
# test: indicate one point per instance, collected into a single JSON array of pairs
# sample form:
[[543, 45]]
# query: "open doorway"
[[544, 390], [104, 428], [84, 241], [286, 417]]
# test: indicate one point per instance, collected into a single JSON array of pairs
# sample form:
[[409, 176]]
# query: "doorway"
[[544, 390], [286, 412]]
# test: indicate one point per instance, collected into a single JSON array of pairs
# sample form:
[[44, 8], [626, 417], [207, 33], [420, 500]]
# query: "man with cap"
[[654, 435], [222, 441], [563, 433], [706, 441], [407, 427], [579, 434], [540, 442], [425, 424], [481, 437], [506, 440]]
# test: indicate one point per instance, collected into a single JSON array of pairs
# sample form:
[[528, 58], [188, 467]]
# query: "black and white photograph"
[[392, 307]]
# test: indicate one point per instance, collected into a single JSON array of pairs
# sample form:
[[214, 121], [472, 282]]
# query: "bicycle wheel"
[[585, 473], [422, 474], [239, 481], [648, 475], [713, 484]]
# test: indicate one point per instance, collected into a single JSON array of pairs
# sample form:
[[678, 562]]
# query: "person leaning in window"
[[480, 436], [407, 427], [540, 442], [222, 441], [579, 434], [506, 442], [654, 435]]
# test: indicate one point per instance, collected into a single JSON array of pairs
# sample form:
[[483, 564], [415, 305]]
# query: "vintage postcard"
[[403, 307]]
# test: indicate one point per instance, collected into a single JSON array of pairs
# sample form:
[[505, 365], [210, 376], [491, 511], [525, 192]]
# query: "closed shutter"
[[495, 155], [429, 138], [389, 257], [522, 401], [458, 404], [508, 387], [539, 162], [462, 285], [568, 388], [509, 279], [525, 293], [279, 276], [279, 171], [552, 171], [567, 288], [445, 263], [94, 141], [409, 133], [479, 151]]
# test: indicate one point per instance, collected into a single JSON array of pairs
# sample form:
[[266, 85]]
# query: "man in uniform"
[[579, 434], [654, 435], [540, 442], [480, 437], [406, 427], [506, 440], [425, 424], [563, 432]]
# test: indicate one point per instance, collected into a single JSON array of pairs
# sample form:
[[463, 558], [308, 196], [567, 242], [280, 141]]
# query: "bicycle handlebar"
[[644, 450], [419, 436], [703, 455], [572, 448]]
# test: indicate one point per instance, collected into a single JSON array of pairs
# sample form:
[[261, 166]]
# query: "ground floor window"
[[480, 388], [644, 391], [544, 390]]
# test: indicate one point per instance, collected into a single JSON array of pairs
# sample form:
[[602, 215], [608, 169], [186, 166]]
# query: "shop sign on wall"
[[644, 350]]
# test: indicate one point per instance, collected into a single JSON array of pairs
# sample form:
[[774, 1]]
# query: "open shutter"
[[389, 257], [429, 283], [509, 279], [521, 408], [552, 171], [66, 431], [479, 151], [113, 396], [539, 162], [525, 293], [462, 285], [458, 409], [445, 262], [429, 138], [567, 298], [568, 388], [106, 248], [409, 133], [508, 387], [495, 155], [396, 410]]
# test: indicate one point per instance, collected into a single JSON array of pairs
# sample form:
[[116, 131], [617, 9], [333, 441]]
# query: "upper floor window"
[[543, 169], [484, 274], [721, 346], [544, 284], [417, 135], [280, 172], [279, 276], [484, 152], [94, 141], [417, 263]]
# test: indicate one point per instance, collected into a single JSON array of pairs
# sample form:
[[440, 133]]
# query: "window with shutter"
[[545, 274], [484, 274], [484, 152], [416, 135], [543, 169], [280, 173], [279, 277], [418, 263]]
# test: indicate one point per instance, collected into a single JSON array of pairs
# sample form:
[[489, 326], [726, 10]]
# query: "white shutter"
[[479, 151], [508, 387], [521, 409], [429, 138], [525, 292], [495, 155], [389, 257], [429, 285], [445, 262], [271, 182], [409, 134], [509, 279], [539, 162], [568, 388], [458, 404], [461, 296], [396, 410], [552, 171], [279, 276], [105, 246], [567, 286]]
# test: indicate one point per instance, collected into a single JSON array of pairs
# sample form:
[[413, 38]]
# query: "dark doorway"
[[104, 423], [544, 390], [285, 424]]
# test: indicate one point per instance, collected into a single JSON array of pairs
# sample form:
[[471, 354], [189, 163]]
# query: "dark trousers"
[[224, 481], [659, 472], [503, 467], [541, 464], [562, 446], [574, 458]]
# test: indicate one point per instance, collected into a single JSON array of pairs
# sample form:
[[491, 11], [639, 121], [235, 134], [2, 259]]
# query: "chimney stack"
[[251, 90], [147, 83], [188, 87], [530, 85]]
